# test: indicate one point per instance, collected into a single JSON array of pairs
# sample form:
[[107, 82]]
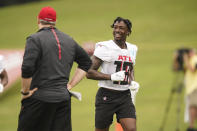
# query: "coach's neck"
[[40, 26]]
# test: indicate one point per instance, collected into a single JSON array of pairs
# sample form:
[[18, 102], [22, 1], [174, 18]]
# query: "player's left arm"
[[132, 75], [134, 85]]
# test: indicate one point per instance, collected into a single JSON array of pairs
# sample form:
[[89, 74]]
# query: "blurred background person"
[[181, 59], [3, 75], [190, 61]]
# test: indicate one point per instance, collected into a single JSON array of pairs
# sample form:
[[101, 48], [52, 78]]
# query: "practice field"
[[159, 28]]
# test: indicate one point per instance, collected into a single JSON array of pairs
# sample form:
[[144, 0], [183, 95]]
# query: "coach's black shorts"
[[37, 115], [110, 102]]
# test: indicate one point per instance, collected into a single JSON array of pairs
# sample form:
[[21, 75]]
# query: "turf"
[[159, 28]]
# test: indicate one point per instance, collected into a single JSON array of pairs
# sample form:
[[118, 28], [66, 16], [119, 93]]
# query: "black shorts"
[[36, 115], [110, 102]]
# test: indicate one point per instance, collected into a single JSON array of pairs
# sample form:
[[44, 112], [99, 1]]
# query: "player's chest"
[[122, 55]]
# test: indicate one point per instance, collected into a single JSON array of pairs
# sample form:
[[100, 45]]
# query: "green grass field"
[[159, 28]]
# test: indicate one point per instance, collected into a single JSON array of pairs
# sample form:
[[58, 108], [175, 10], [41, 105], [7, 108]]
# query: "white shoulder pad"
[[102, 51]]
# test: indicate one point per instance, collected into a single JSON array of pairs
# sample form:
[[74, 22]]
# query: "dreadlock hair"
[[126, 21]]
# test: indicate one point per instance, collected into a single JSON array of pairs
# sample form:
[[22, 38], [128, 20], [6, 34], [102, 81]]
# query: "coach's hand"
[[118, 76], [69, 86], [28, 94]]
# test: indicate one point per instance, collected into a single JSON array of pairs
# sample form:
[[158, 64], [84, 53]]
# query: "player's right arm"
[[93, 72]]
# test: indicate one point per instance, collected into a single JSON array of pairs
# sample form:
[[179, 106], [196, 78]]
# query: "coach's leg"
[[35, 115], [28, 115], [62, 118], [128, 124]]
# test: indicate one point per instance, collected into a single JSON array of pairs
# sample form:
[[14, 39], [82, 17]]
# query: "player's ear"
[[129, 33]]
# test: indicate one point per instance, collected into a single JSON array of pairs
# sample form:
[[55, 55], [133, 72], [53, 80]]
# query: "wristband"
[[25, 93]]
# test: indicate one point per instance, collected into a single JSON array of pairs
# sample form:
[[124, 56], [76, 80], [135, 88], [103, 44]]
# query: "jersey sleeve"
[[102, 52], [1, 64]]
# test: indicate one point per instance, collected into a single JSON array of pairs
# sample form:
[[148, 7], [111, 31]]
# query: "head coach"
[[47, 62]]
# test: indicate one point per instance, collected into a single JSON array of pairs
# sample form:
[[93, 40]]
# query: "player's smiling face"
[[120, 31]]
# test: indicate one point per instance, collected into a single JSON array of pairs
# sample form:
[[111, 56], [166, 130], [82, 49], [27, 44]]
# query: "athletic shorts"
[[110, 102], [36, 115], [193, 98]]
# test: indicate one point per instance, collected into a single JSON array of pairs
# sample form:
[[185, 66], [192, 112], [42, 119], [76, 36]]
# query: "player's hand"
[[31, 92], [1, 88], [118, 76]]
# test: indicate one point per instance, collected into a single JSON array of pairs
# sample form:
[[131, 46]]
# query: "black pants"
[[108, 103], [36, 115]]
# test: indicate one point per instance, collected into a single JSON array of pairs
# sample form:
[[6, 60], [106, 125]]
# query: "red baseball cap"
[[47, 14]]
